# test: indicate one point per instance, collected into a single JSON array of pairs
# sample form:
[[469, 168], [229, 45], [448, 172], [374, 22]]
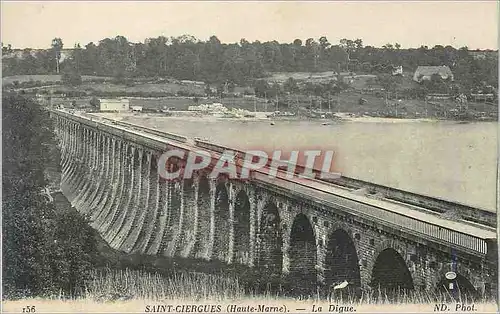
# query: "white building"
[[397, 70], [114, 105]]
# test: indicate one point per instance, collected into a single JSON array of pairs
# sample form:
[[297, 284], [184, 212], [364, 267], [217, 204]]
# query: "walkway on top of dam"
[[470, 237]]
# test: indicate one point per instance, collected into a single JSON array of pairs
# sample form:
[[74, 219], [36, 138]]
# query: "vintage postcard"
[[249, 157]]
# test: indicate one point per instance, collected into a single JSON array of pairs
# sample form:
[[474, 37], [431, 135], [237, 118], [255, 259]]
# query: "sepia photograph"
[[249, 156]]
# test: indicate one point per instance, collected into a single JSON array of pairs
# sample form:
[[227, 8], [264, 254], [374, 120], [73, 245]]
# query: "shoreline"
[[341, 118]]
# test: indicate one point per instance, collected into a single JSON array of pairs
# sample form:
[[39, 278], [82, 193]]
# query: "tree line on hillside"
[[47, 249], [189, 58]]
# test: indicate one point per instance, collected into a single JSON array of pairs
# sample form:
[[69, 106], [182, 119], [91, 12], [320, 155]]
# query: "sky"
[[33, 24]]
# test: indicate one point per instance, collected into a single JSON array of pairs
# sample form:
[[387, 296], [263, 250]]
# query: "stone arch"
[[302, 254], [222, 222], [341, 260], [385, 244], [270, 257], [459, 288], [241, 227], [390, 274]]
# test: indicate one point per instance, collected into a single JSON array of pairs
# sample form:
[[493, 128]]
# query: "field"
[[106, 84], [139, 88], [363, 81], [281, 77], [357, 81], [107, 87], [46, 78]]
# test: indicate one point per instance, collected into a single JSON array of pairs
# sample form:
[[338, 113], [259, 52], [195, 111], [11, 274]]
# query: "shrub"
[[95, 102], [71, 78]]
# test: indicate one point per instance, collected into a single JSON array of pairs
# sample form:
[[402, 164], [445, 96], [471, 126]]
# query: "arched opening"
[[222, 223], [341, 264], [390, 276], [241, 229], [456, 289], [303, 256], [203, 233], [270, 260]]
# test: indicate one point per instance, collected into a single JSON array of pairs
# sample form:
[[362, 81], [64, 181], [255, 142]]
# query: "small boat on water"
[[272, 123], [325, 123]]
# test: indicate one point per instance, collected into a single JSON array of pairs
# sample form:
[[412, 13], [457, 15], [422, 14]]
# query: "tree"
[[208, 90], [358, 43], [261, 88], [436, 84], [323, 42], [220, 90], [290, 85], [48, 248], [76, 57], [71, 77], [214, 62], [312, 52], [348, 46], [388, 46], [57, 46], [6, 49], [387, 81], [95, 102]]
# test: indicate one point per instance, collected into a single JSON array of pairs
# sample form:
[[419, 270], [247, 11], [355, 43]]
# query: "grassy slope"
[[45, 78]]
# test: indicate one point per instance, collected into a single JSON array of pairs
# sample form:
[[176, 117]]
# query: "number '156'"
[[29, 309]]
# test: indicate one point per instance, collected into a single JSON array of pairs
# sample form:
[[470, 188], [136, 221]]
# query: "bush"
[[71, 251], [95, 102], [71, 78]]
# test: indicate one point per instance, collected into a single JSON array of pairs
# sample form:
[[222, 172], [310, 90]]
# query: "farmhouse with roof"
[[424, 73]]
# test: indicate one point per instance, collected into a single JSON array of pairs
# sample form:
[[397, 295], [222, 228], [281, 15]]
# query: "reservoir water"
[[445, 159]]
